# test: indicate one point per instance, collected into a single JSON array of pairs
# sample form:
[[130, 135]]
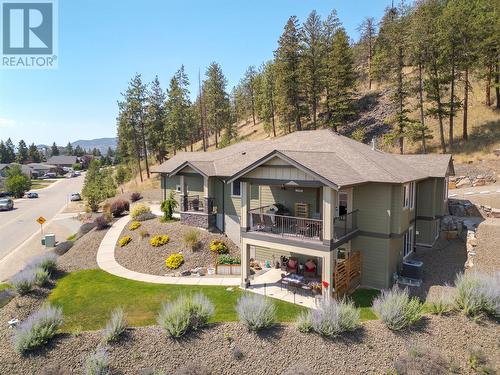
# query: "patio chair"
[[310, 268], [293, 265], [268, 223], [257, 223]]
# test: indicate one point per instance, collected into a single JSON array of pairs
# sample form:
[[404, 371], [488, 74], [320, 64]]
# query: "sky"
[[102, 44]]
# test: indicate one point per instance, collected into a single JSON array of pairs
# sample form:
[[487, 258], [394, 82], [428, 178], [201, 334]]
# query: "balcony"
[[299, 228]]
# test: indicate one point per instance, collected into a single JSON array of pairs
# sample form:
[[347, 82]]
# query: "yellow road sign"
[[41, 220]]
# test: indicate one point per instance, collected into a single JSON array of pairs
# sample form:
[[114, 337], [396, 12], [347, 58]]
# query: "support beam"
[[329, 209], [245, 205], [327, 273], [183, 194], [245, 264], [206, 202]]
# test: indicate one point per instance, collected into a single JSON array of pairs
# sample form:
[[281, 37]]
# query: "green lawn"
[[4, 286], [363, 299], [88, 297]]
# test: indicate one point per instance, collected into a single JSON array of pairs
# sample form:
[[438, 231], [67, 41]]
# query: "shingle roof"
[[341, 160], [62, 160]]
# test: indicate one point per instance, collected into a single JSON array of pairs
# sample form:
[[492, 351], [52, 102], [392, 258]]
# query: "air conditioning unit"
[[412, 269]]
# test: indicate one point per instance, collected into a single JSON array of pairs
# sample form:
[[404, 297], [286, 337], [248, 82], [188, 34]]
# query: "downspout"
[[415, 219], [223, 205]]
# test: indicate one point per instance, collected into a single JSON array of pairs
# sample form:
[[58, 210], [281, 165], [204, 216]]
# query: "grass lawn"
[[4, 286], [363, 300], [88, 297]]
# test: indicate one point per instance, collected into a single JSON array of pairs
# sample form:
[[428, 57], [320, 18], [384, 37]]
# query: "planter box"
[[228, 269]]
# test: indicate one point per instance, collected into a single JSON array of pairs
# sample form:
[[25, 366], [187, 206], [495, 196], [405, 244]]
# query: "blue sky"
[[103, 43]]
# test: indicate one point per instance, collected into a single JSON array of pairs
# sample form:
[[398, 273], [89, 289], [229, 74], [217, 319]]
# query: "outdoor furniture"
[[257, 223], [268, 222], [293, 265], [310, 268]]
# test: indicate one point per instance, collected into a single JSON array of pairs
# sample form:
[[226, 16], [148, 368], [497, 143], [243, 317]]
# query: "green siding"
[[373, 202], [289, 196], [425, 197], [375, 261], [426, 231], [194, 184], [439, 198]]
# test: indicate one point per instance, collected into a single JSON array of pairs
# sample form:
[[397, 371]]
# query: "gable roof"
[[62, 159], [339, 160]]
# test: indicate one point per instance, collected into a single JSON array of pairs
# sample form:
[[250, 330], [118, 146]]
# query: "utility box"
[[412, 269], [50, 240]]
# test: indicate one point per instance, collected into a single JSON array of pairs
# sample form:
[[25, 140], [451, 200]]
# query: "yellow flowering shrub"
[[219, 247], [159, 240], [134, 225], [174, 261], [124, 240]]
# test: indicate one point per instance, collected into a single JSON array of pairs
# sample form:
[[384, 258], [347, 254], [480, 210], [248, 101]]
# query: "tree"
[[155, 121], [17, 182], [33, 154], [312, 51], [22, 152], [54, 150], [79, 151], [248, 87], [122, 175], [291, 101], [98, 185], [10, 153], [69, 149], [217, 102], [266, 96], [366, 43], [340, 80]]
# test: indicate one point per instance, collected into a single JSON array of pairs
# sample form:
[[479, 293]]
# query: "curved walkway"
[[107, 262]]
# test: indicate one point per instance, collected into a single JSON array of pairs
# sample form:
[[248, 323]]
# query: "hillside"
[[101, 144]]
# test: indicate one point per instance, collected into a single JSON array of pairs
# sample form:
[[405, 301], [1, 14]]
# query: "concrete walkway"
[[106, 261]]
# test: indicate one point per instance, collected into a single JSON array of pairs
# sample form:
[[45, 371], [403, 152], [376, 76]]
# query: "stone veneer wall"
[[198, 219]]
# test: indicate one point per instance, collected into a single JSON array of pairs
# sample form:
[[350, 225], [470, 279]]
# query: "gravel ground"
[[487, 250], [140, 256], [148, 195], [371, 349], [441, 264], [485, 167]]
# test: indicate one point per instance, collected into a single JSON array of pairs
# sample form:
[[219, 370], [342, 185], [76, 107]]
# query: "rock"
[[465, 182], [495, 212], [186, 273]]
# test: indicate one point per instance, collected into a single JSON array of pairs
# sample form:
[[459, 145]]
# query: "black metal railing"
[[345, 224], [194, 203]]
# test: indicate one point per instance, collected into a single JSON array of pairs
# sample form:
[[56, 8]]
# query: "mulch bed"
[[140, 256]]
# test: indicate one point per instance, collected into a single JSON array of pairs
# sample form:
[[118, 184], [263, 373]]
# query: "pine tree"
[[249, 89], [367, 43], [291, 102], [3, 153], [217, 103], [312, 58], [79, 151], [33, 154], [69, 149], [54, 150], [22, 152], [266, 96], [155, 121]]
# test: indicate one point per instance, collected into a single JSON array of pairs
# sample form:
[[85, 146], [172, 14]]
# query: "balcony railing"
[[193, 203], [298, 227]]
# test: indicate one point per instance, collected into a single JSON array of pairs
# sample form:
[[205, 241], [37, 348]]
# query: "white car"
[[75, 197]]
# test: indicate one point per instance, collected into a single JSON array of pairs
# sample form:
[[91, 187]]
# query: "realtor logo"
[[28, 34]]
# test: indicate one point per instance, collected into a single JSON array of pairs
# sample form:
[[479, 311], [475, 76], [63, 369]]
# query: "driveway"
[[20, 224]]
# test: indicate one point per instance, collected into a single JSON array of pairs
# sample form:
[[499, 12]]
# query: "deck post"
[[205, 194], [245, 205], [183, 194], [329, 207], [327, 274], [245, 264]]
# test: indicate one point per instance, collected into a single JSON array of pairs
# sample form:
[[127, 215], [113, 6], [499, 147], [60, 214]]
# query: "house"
[[40, 169], [62, 161], [314, 195]]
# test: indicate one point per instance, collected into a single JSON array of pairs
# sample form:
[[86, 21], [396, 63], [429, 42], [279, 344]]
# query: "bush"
[[159, 240], [441, 304], [174, 261], [168, 206], [85, 228], [63, 247], [396, 309], [228, 259], [115, 326], [192, 369], [97, 363], [23, 281], [125, 240], [101, 222], [145, 216], [119, 206], [143, 234], [422, 361], [42, 277], [38, 329], [476, 293], [256, 312], [332, 318], [47, 262], [134, 197], [219, 247], [184, 314], [139, 209], [191, 239], [134, 225]]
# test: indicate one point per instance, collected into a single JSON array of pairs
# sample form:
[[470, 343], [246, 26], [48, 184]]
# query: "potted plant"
[[315, 287]]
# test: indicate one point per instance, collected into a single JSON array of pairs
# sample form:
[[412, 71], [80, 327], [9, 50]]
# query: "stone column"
[[245, 264], [245, 205]]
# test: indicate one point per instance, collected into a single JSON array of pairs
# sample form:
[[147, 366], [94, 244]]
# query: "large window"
[[408, 242], [236, 189], [409, 195]]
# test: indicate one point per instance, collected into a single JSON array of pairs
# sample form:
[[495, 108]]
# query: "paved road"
[[18, 225]]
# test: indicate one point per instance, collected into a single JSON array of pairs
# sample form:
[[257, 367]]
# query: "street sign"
[[41, 220]]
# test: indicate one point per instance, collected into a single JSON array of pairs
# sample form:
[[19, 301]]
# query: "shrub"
[[334, 317], [38, 329], [134, 225], [139, 209], [97, 363], [304, 322], [101, 222], [134, 197], [478, 362], [423, 361], [192, 369], [191, 239], [63, 247], [184, 314], [115, 326], [237, 353], [85, 228], [143, 234], [145, 216], [42, 277], [476, 293], [174, 261], [441, 304], [125, 240], [219, 247], [396, 309], [168, 206], [47, 262], [159, 240], [256, 312], [119, 206], [23, 281], [228, 259]]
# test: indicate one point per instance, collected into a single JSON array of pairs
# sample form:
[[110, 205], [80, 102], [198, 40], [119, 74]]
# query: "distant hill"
[[100, 143]]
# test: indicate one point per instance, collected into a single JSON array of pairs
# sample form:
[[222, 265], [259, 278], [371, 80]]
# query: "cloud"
[[6, 122]]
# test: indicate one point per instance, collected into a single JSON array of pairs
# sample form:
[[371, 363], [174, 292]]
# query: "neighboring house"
[[24, 169], [62, 161], [39, 169], [314, 195]]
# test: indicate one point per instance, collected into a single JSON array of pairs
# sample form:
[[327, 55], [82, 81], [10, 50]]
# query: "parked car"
[[78, 173], [50, 175], [31, 194], [6, 204], [4, 194], [75, 197]]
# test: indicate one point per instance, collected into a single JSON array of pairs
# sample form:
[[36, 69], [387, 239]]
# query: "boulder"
[[464, 182], [495, 212]]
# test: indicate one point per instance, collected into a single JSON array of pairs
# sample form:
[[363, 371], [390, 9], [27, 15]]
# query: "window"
[[445, 189], [408, 242], [178, 188], [409, 195], [236, 189]]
